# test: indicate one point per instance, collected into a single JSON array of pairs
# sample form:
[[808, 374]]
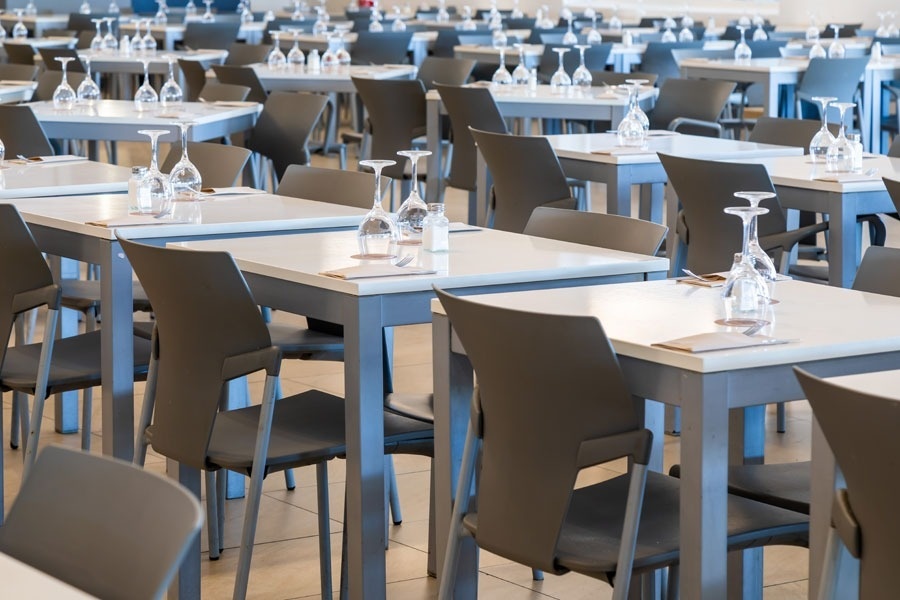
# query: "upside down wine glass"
[[569, 38], [97, 41], [818, 146], [520, 74], [582, 78], [170, 94], [88, 91], [160, 188], [185, 177], [64, 96], [276, 59], [761, 261], [742, 51], [19, 31], [836, 49], [746, 292], [839, 158], [377, 234], [633, 105], [411, 214], [560, 78], [295, 56], [208, 16], [501, 76], [148, 42], [109, 40], [145, 98], [593, 35]]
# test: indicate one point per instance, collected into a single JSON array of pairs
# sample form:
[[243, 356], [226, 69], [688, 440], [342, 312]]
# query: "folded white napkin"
[[848, 177], [456, 227], [366, 271], [134, 221], [230, 191], [622, 151], [716, 280], [722, 340], [40, 160], [234, 103]]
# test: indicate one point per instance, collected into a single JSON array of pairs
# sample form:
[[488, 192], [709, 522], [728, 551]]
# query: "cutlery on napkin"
[[721, 340], [30, 160], [366, 271], [622, 150], [230, 191]]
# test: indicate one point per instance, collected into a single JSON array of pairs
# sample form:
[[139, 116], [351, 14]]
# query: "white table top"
[[51, 41], [24, 581], [107, 112], [544, 94], [100, 58], [475, 258], [44, 19], [342, 73], [801, 172], [795, 64], [590, 147], [826, 321], [219, 216], [62, 179], [16, 91]]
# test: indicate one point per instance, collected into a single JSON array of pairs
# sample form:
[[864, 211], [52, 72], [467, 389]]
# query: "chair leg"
[[40, 391], [140, 440], [14, 427], [212, 515], [460, 505], [20, 401], [324, 529], [830, 567], [393, 492], [221, 483], [87, 397], [779, 417], [673, 583]]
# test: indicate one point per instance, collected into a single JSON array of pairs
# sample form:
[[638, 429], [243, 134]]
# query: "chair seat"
[[83, 294], [782, 484], [307, 428], [590, 537], [298, 342], [75, 364], [414, 406]]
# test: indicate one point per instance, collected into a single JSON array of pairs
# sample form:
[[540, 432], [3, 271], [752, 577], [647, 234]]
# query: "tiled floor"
[[285, 562]]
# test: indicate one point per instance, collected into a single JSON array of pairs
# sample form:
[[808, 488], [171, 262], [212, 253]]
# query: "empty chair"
[[214, 91], [787, 132], [242, 76], [221, 341], [658, 59], [537, 35], [242, 54], [526, 173], [219, 165], [381, 48], [860, 428], [282, 132], [47, 82], [708, 235], [537, 419], [596, 229], [49, 56], [448, 71], [19, 54], [766, 48], [839, 78], [595, 59], [337, 186], [194, 74], [82, 22], [116, 532], [691, 106], [446, 40], [14, 72], [219, 35], [22, 133]]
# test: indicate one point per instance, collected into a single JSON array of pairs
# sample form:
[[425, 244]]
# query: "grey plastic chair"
[[829, 77], [22, 133], [787, 132], [219, 165], [596, 229], [446, 71], [19, 54], [526, 173], [529, 451], [222, 341], [861, 430], [894, 150], [284, 127], [49, 56], [242, 76], [215, 91], [711, 237], [116, 532], [18, 72], [243, 54], [47, 82], [381, 48], [51, 366], [691, 106], [219, 35], [348, 188], [658, 59], [194, 73]]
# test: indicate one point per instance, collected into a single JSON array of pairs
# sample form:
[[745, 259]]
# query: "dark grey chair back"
[[219, 35], [284, 127], [595, 59], [19, 54], [599, 77], [337, 186], [14, 72], [214, 91], [194, 72], [838, 77], [596, 229], [220, 165], [699, 99], [22, 133], [242, 54], [879, 270], [242, 76], [448, 71], [658, 58], [787, 132], [381, 48], [49, 56]]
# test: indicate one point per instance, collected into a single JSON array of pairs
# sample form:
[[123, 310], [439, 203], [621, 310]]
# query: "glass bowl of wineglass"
[[185, 178], [819, 144], [501, 76], [412, 212], [742, 51], [160, 188], [560, 79], [839, 158], [836, 49], [171, 94], [145, 98], [746, 292], [377, 235], [88, 91], [582, 78]]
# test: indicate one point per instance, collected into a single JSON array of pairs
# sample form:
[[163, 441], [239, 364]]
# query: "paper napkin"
[[366, 271], [723, 340]]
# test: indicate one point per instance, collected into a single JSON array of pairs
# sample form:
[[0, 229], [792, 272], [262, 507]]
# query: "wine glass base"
[[373, 256], [741, 322]]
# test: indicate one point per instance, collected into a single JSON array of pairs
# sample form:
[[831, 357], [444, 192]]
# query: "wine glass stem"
[[184, 132], [746, 224], [147, 74], [154, 163], [377, 201], [415, 161], [502, 58], [65, 79]]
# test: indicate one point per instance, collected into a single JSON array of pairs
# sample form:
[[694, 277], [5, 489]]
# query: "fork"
[[693, 275], [754, 329], [404, 260]]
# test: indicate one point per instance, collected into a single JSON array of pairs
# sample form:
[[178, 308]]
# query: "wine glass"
[[170, 94], [320, 26], [685, 35], [64, 96], [19, 31], [412, 212], [377, 234], [208, 16], [836, 49], [148, 42], [839, 158], [190, 9], [443, 15], [759, 34], [630, 132], [137, 42], [398, 24], [501, 76], [582, 78], [2, 32], [109, 40], [276, 59], [668, 37], [295, 56], [85, 8], [88, 91], [329, 57], [615, 23], [569, 38], [30, 8], [893, 31], [686, 19], [145, 98], [634, 106], [761, 261], [516, 12], [97, 41], [185, 178], [882, 30], [818, 146], [498, 39], [160, 188], [468, 24], [593, 35], [742, 51], [520, 74], [746, 292], [160, 17], [343, 55], [246, 13], [817, 50], [812, 32], [669, 23], [560, 79]]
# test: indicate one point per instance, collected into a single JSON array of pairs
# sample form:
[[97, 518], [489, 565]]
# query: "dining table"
[[21, 580], [516, 101], [289, 275], [828, 331], [49, 41], [13, 91], [419, 45], [37, 25], [804, 185], [170, 33], [48, 175]]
